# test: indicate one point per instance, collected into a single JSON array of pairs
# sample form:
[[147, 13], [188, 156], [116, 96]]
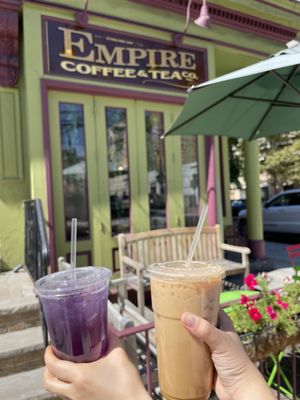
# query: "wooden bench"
[[139, 250]]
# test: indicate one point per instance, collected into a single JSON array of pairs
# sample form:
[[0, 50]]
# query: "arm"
[[237, 376]]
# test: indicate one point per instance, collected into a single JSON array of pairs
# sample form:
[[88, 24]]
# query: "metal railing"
[[36, 243], [37, 254]]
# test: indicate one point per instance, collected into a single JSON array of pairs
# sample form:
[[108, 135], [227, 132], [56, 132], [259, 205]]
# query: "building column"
[[254, 206], [211, 181]]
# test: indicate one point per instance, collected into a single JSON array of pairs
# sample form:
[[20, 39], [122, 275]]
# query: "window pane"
[[294, 199], [279, 201], [156, 169], [118, 169], [190, 179], [74, 169]]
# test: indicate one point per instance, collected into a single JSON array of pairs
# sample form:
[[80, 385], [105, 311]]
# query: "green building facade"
[[84, 99]]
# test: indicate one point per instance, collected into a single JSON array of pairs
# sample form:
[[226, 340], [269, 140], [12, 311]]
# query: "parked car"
[[237, 206], [281, 213]]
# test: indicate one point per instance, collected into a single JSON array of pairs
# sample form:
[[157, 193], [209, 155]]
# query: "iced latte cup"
[[184, 364]]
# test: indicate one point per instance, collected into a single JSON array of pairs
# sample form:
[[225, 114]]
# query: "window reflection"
[[118, 169], [74, 169], [190, 179], [156, 169]]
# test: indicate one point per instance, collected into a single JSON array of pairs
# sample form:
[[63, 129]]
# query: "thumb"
[[202, 329]]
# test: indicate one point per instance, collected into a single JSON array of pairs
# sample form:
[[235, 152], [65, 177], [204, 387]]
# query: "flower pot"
[[269, 341]]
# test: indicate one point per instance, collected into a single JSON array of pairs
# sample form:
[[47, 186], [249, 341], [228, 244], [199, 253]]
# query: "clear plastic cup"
[[74, 303], [185, 369]]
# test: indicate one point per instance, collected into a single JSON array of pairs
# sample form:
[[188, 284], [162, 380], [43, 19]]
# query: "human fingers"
[[54, 385], [62, 370], [202, 329]]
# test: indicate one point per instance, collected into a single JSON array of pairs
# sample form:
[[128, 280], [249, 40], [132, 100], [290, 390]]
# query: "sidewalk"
[[277, 253], [276, 257]]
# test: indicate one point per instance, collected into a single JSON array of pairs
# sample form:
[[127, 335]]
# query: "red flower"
[[272, 313], [244, 300], [254, 314], [282, 304], [250, 281]]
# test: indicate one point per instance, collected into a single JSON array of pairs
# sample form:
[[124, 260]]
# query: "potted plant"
[[269, 322]]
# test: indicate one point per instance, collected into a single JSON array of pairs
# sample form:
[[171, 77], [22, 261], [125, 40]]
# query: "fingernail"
[[189, 319]]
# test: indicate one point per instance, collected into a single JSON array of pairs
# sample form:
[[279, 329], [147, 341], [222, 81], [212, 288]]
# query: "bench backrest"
[[170, 244]]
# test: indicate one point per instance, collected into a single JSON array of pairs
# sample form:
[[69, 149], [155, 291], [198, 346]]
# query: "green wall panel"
[[13, 189], [10, 137]]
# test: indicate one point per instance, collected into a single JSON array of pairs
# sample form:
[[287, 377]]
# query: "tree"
[[236, 161], [280, 159]]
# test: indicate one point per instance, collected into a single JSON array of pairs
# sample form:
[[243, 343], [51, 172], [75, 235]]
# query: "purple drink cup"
[[74, 303]]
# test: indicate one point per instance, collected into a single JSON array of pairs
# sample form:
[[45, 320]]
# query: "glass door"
[[72, 135], [93, 154], [159, 165], [112, 172], [116, 162]]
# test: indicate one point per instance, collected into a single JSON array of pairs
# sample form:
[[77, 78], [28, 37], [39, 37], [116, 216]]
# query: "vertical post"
[[211, 180], [254, 207]]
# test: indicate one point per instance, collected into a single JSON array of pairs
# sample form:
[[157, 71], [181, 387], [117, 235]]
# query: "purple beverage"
[[74, 303]]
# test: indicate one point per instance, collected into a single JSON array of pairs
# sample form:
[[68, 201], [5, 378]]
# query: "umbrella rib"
[[214, 104], [273, 102], [286, 83], [270, 107]]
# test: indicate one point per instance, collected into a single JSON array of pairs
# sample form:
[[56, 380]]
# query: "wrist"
[[139, 393], [252, 385]]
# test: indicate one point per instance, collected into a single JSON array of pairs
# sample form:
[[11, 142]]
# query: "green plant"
[[268, 310]]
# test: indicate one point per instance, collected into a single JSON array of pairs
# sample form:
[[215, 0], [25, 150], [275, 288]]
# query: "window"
[[289, 199], [156, 169], [190, 179], [279, 201], [118, 169], [294, 199], [74, 169]]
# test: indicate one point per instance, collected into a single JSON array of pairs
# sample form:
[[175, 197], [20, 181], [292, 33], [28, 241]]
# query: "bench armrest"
[[139, 268], [132, 263], [244, 251], [235, 249]]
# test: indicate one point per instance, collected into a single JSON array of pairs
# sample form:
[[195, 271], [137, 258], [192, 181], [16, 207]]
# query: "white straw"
[[197, 235], [73, 242]]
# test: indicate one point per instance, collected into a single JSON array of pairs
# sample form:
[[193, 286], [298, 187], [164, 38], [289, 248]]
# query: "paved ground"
[[276, 256], [276, 249], [276, 252]]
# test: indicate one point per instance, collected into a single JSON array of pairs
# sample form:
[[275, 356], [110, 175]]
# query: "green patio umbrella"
[[257, 101]]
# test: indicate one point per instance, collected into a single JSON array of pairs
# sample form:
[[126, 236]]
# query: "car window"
[[280, 201], [290, 199], [294, 199]]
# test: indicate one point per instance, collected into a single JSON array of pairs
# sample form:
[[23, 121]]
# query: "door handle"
[[103, 229]]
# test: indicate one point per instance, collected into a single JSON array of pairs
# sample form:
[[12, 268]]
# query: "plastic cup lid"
[[172, 270], [71, 281]]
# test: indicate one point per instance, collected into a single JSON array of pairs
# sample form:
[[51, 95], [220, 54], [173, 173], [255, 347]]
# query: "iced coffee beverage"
[[74, 303], [184, 363]]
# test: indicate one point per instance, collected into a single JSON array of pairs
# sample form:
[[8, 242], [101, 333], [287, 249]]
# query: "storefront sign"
[[102, 55]]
